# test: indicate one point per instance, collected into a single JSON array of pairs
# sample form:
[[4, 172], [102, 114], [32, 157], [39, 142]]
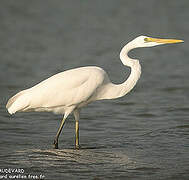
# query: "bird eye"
[[146, 40]]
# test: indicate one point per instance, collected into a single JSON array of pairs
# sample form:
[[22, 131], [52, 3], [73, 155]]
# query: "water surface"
[[144, 135]]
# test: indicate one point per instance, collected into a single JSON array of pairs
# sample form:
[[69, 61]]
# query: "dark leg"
[[59, 131]]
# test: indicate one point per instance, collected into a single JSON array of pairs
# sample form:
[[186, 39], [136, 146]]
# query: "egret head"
[[145, 41]]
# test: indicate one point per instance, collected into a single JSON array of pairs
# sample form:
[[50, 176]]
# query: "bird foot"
[[77, 147], [55, 144]]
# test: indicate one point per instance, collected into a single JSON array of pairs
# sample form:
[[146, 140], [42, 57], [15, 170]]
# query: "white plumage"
[[70, 90]]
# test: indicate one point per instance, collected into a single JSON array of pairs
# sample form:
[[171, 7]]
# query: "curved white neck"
[[134, 64], [118, 90], [125, 59]]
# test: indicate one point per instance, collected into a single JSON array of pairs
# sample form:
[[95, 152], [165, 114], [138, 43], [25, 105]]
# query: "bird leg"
[[55, 143], [77, 135], [59, 131], [76, 115]]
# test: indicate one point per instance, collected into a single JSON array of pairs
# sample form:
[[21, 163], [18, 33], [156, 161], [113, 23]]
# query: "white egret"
[[69, 91]]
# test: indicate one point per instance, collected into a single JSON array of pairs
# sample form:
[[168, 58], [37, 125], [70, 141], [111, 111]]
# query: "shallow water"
[[144, 135]]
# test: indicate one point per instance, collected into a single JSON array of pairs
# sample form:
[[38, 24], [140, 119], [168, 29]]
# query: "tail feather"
[[17, 103]]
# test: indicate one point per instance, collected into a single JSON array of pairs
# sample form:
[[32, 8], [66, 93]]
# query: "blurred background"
[[144, 135]]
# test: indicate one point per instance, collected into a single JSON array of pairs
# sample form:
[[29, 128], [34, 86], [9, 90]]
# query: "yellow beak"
[[163, 41]]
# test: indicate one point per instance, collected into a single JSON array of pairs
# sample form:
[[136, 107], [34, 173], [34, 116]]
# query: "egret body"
[[69, 91]]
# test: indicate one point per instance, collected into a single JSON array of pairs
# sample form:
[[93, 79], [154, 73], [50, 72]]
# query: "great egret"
[[69, 91]]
